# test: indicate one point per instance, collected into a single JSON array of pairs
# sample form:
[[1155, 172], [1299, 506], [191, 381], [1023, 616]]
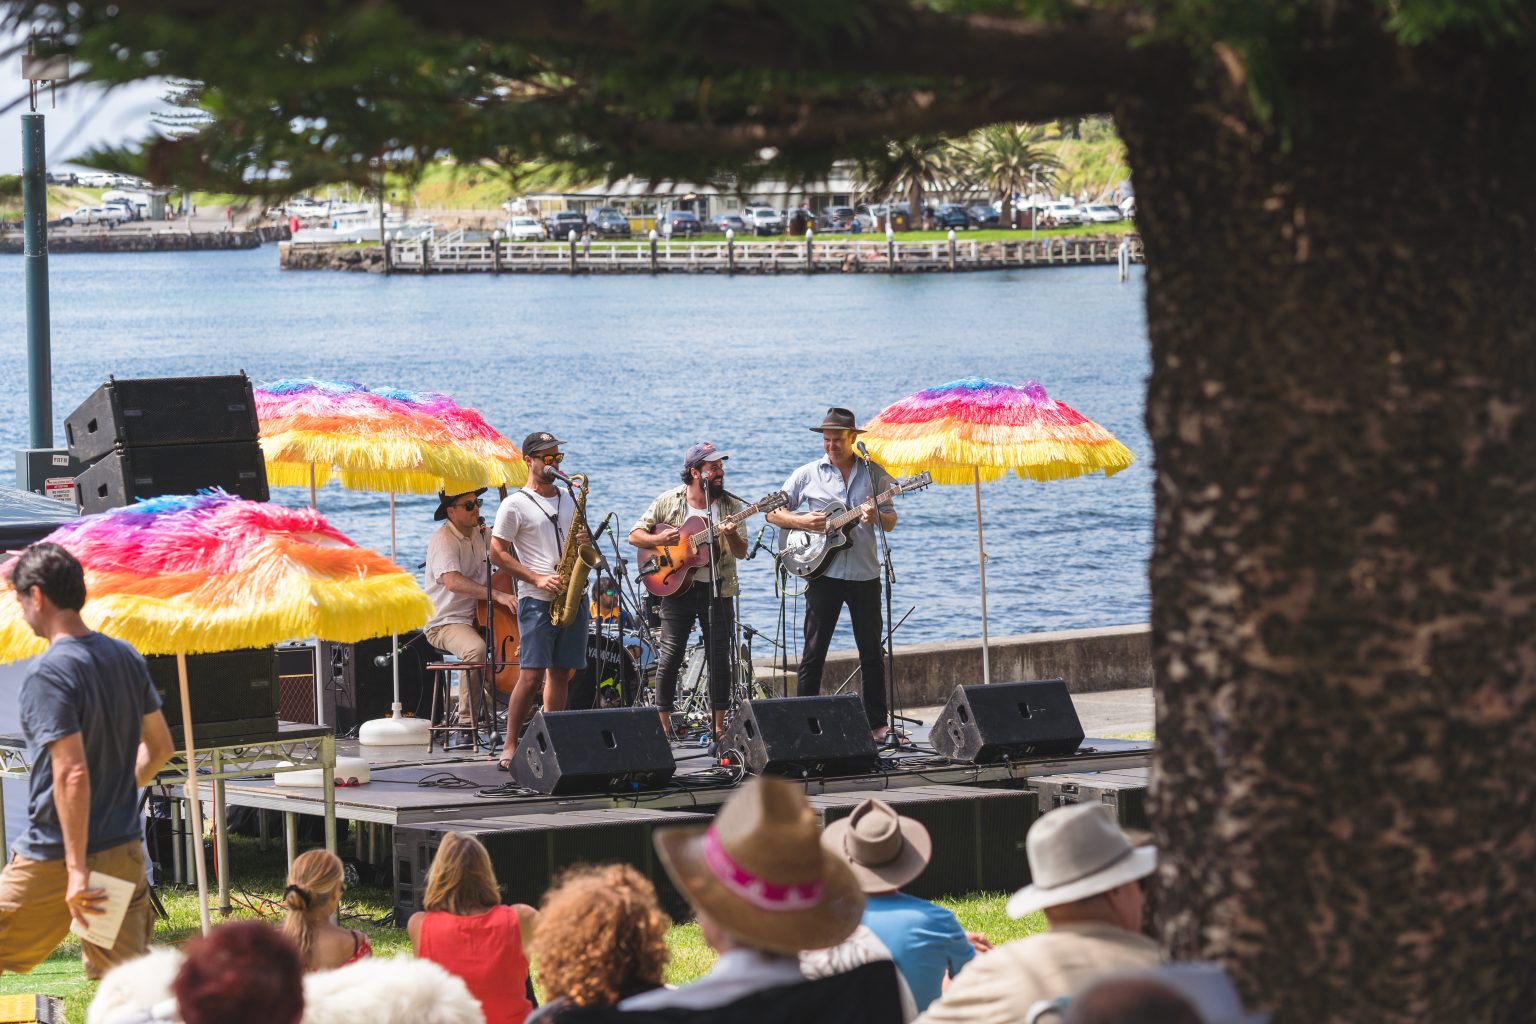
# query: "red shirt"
[[487, 952]]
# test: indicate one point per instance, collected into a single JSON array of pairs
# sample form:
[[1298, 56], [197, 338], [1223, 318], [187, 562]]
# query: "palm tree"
[[908, 167], [1007, 159]]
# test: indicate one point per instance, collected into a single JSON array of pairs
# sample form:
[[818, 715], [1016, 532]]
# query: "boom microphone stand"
[[889, 576]]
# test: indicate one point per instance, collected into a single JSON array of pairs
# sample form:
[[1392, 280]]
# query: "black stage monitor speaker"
[[804, 736], [161, 410], [234, 693], [130, 474], [598, 751], [986, 723]]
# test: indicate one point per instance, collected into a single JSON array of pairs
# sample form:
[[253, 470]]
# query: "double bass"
[[504, 630]]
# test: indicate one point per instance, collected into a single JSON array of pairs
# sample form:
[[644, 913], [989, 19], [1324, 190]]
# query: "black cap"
[[445, 499], [540, 441]]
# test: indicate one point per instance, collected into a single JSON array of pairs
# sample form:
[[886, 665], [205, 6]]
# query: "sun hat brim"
[[1141, 862], [831, 921], [916, 852]]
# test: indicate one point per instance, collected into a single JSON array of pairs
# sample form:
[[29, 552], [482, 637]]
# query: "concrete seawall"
[[139, 239], [1090, 660]]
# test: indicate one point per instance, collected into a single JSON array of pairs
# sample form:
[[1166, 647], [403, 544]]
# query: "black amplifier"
[[234, 693]]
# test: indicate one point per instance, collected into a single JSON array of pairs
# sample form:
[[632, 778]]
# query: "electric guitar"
[[670, 569], [807, 555]]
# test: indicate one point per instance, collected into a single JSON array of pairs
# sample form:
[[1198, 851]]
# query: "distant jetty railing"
[[455, 254]]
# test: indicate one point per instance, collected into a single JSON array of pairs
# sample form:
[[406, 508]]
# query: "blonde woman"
[[313, 893], [467, 931]]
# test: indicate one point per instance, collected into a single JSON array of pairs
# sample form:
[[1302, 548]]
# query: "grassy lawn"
[[369, 908]]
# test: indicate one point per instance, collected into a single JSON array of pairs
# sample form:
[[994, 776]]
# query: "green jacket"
[[671, 508]]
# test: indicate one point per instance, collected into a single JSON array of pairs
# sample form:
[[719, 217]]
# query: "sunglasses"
[[471, 505], [552, 460]]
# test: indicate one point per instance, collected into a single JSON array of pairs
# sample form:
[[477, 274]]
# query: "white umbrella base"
[[394, 732]]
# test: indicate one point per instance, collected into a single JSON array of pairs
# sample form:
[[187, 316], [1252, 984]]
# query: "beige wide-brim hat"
[[761, 873], [1077, 852], [883, 850]]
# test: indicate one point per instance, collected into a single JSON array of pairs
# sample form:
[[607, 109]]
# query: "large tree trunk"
[[1343, 337]]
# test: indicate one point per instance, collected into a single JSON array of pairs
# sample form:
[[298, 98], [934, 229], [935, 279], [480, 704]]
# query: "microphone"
[[383, 660], [863, 452], [603, 528], [551, 474], [757, 544]]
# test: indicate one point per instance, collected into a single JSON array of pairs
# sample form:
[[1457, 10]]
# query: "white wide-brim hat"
[[1077, 852]]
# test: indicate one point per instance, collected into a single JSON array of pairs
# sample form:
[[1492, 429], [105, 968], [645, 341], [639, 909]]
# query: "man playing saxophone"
[[532, 527]]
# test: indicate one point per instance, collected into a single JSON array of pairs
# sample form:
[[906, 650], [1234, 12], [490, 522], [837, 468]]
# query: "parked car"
[[683, 223], [951, 215], [1128, 207], [109, 215], [607, 222], [95, 179], [1101, 213], [732, 222], [562, 223], [1059, 211], [984, 215], [864, 215], [836, 218], [525, 229], [124, 207], [763, 220]]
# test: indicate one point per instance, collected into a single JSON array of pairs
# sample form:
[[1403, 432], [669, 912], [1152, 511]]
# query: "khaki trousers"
[[34, 917], [466, 643]]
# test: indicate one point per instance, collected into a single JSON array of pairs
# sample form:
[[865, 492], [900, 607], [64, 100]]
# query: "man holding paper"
[[95, 735]]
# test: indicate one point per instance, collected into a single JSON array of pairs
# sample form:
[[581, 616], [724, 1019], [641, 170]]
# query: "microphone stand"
[[492, 669], [889, 574]]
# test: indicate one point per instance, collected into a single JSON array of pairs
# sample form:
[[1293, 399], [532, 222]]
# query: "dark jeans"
[[824, 600], [678, 614]]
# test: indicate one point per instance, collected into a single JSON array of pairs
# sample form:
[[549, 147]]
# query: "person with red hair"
[[241, 973]]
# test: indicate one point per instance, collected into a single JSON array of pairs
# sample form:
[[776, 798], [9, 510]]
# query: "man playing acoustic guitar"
[[708, 600], [852, 576]]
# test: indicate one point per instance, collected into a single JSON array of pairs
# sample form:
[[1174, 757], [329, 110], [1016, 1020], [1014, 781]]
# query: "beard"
[[714, 487]]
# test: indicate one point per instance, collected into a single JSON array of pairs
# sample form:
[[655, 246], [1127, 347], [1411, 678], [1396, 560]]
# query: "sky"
[[83, 118]]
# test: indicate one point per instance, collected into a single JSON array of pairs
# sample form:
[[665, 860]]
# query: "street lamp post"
[[34, 204]]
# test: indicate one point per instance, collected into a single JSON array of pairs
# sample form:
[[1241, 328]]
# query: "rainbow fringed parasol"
[[380, 439], [185, 575], [976, 429], [983, 428]]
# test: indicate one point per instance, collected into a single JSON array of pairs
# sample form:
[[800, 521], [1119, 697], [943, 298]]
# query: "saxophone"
[[576, 562]]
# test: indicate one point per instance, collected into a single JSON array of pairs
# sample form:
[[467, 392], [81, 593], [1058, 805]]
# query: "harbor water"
[[631, 370]]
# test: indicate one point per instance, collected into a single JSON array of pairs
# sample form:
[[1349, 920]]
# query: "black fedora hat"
[[838, 419], [444, 500]]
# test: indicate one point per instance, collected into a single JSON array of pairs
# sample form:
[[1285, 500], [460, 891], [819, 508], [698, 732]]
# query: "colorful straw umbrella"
[[976, 429], [211, 572], [381, 439]]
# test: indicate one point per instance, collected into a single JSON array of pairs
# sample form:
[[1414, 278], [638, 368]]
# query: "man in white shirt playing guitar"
[[852, 575]]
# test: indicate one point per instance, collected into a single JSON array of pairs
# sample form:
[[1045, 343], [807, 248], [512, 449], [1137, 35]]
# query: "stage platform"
[[410, 786]]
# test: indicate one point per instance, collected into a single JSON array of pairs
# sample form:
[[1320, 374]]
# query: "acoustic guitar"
[[670, 569], [807, 555]]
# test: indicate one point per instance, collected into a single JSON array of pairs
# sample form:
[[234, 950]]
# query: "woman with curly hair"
[[313, 894], [602, 938], [467, 931]]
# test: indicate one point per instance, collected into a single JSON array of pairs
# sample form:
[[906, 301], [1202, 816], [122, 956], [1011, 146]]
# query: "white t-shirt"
[[452, 551], [523, 522]]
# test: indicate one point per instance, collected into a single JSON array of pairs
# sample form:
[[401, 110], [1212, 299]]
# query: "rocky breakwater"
[[366, 258], [134, 239]]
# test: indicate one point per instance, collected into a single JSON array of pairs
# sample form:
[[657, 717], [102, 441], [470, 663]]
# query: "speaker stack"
[[605, 750], [234, 694], [166, 435], [984, 724], [804, 737]]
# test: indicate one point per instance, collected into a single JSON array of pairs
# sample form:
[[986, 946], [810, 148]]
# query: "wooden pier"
[[455, 254]]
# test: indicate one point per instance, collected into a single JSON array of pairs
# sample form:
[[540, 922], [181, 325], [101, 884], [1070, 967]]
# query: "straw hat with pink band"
[[760, 872]]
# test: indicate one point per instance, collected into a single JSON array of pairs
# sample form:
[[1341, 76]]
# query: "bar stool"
[[484, 719]]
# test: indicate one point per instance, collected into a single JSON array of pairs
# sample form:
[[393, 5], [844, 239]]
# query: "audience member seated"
[[601, 938], [313, 894], [886, 851], [860, 948], [467, 930], [1205, 986], [1086, 877], [765, 890], [242, 973], [1140, 999]]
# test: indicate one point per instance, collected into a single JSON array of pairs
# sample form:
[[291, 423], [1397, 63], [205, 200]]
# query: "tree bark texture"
[[1343, 409]]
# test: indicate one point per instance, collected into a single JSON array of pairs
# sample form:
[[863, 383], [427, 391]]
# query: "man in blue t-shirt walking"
[[94, 734], [887, 851]]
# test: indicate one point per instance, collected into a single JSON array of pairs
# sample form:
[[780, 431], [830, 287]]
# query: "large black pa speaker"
[[804, 737], [986, 723], [234, 694], [159, 411], [598, 751], [130, 474]]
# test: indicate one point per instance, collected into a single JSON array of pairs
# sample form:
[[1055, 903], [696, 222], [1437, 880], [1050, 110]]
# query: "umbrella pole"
[[194, 805], [394, 639], [312, 502], [981, 561]]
